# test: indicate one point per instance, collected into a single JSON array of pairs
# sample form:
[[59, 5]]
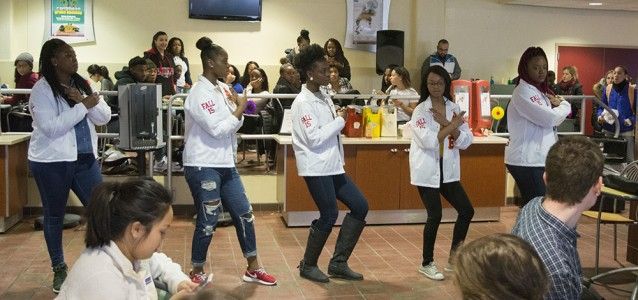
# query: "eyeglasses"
[[436, 83]]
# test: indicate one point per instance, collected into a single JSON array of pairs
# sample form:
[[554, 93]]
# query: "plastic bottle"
[[491, 80], [369, 125]]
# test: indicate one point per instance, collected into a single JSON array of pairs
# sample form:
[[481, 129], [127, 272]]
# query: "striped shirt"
[[555, 243]]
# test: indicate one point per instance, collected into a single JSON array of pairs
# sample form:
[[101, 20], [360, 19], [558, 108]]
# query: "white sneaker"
[[161, 165], [431, 272]]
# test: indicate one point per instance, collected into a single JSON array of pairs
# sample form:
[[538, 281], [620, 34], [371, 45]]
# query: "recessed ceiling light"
[[595, 3]]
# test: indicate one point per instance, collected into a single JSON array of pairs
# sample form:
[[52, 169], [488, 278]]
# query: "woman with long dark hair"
[[439, 132], [63, 146], [163, 59], [245, 77], [176, 48], [532, 117], [316, 127], [214, 113], [335, 56], [232, 79]]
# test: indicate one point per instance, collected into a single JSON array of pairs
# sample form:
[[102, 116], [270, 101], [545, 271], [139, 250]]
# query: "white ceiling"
[[625, 5]]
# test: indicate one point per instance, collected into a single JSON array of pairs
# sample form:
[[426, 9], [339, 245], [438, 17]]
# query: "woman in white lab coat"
[[532, 117], [439, 132], [316, 127]]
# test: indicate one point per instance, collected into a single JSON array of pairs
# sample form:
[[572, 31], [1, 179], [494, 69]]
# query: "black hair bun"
[[305, 33], [204, 43], [307, 56]]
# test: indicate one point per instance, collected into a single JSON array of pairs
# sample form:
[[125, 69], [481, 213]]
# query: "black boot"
[[308, 265], [348, 236]]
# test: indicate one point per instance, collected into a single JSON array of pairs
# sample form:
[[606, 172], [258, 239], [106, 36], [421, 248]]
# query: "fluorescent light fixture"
[[595, 3]]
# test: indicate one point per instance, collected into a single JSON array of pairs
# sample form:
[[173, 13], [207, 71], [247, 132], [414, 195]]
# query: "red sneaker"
[[259, 276], [198, 278]]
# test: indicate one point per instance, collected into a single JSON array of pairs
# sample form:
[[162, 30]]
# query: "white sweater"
[[105, 273], [210, 126], [53, 138], [531, 121], [315, 135]]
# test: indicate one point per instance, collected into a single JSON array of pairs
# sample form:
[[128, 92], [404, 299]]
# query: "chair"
[[630, 172]]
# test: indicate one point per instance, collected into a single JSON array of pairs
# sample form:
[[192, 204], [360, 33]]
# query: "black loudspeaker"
[[389, 49]]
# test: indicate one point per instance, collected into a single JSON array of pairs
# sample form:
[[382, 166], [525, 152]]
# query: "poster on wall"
[[69, 20], [365, 17]]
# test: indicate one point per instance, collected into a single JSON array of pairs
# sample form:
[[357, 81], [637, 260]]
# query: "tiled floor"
[[388, 256]]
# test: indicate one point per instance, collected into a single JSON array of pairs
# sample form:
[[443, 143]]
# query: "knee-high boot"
[[308, 265], [348, 236]]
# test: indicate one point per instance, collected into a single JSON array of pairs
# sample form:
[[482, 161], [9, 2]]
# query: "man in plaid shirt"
[[573, 175]]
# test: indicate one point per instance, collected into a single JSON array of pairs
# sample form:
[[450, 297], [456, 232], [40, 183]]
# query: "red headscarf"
[[530, 53]]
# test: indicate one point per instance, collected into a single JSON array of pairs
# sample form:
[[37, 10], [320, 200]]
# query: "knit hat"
[[150, 64], [24, 56]]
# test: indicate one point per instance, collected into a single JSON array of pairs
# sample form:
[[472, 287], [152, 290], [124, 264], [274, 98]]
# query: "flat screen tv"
[[231, 10]]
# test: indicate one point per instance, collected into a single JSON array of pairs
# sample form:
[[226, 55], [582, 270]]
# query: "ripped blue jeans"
[[211, 187]]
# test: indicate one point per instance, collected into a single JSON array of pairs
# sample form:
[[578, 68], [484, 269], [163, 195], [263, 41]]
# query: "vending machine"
[[480, 108], [462, 92]]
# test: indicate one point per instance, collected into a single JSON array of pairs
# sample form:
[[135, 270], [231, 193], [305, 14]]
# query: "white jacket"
[[315, 135], [531, 121], [53, 138], [105, 273], [424, 147], [210, 126]]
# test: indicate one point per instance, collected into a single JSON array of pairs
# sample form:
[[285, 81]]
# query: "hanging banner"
[[365, 17], [69, 20]]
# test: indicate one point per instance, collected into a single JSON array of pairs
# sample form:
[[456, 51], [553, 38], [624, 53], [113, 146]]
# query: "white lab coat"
[[210, 126], [531, 123], [424, 148], [53, 138], [315, 135], [105, 273]]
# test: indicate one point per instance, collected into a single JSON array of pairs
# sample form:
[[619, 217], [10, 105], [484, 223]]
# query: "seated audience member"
[[100, 79], [518, 274], [245, 78], [151, 71], [573, 176], [385, 80], [24, 78], [177, 73], [338, 84], [288, 83], [335, 56], [232, 79], [402, 86], [258, 85], [134, 73], [126, 224]]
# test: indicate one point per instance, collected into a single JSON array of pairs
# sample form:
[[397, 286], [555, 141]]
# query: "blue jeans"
[[211, 187], [54, 180], [325, 190], [529, 181]]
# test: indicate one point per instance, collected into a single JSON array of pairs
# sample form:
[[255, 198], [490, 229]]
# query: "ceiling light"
[[595, 3]]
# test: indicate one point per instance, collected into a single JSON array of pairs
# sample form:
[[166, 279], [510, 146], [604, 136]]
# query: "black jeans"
[[529, 181], [325, 190], [456, 196]]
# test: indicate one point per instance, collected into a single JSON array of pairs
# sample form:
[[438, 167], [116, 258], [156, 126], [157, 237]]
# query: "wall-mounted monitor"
[[231, 10]]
